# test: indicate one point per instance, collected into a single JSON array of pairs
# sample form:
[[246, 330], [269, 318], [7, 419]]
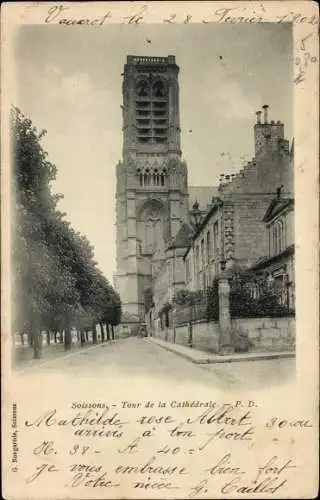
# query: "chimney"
[[265, 112], [259, 113]]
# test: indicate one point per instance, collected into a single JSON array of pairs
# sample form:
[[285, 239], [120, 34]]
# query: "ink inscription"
[[152, 445]]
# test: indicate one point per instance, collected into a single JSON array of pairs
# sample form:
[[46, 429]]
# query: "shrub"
[[242, 304], [186, 297]]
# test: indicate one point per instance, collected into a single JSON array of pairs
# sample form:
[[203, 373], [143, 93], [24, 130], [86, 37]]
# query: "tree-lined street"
[[56, 284], [109, 360]]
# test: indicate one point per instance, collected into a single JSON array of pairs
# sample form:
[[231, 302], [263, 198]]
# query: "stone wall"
[[205, 336], [267, 334], [250, 233], [262, 175], [166, 334], [182, 335]]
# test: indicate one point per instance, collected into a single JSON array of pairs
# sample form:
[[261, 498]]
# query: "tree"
[[55, 281], [32, 200], [112, 311]]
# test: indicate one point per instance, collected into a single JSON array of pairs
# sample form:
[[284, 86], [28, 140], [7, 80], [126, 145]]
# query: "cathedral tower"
[[152, 188]]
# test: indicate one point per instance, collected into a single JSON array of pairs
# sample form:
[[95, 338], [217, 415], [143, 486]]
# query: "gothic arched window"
[[163, 177], [140, 176], [143, 88], [148, 177], [158, 89], [150, 228], [157, 177]]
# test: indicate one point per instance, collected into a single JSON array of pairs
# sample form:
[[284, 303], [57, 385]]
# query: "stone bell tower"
[[152, 187]]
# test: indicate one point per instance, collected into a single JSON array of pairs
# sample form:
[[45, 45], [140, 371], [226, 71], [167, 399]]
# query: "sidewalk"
[[23, 355], [200, 357]]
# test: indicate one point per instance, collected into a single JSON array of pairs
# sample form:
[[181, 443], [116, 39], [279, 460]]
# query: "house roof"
[[183, 237], [216, 203], [277, 205], [203, 195]]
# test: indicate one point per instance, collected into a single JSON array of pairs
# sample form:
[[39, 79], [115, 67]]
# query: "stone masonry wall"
[[182, 335], [262, 175], [246, 198], [205, 336], [268, 334], [250, 235]]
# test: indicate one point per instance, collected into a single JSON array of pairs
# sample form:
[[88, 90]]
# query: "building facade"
[[233, 232], [152, 187], [278, 268], [168, 271], [157, 246]]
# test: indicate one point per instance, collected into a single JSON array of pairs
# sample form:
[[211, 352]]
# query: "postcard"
[[160, 238]]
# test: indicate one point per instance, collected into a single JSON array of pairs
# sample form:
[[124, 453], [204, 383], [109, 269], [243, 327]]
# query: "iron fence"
[[194, 311], [250, 296], [276, 293]]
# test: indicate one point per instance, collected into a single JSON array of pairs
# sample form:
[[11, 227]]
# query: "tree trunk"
[[61, 337], [190, 336], [78, 336], [94, 333], [82, 337], [67, 336], [37, 339], [22, 338], [102, 332], [112, 331], [108, 331], [55, 336], [48, 337], [30, 339]]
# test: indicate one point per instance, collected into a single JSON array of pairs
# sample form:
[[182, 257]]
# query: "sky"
[[69, 83]]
